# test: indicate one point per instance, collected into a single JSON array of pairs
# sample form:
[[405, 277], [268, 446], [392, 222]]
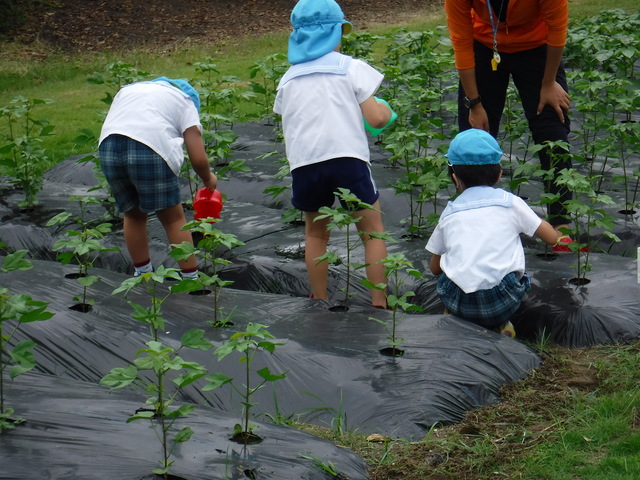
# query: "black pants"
[[526, 68]]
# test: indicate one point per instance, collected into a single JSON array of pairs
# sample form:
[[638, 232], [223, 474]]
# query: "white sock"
[[191, 275], [148, 268]]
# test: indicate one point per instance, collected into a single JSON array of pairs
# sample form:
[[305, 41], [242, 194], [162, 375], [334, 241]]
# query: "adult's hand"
[[478, 118], [553, 94]]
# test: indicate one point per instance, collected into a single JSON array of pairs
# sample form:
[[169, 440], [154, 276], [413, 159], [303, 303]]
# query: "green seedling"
[[87, 139], [265, 75], [117, 75], [256, 337], [608, 41], [208, 249], [165, 365], [586, 214], [81, 246], [342, 218], [221, 95], [15, 311], [394, 264], [21, 154], [627, 136]]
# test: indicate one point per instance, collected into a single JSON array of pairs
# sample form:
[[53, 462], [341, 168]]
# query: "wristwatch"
[[472, 102]]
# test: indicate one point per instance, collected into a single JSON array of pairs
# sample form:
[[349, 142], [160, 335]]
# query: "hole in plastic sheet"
[[155, 476], [81, 307], [199, 293], [392, 352], [547, 257], [250, 473], [579, 281], [75, 275], [627, 212], [246, 438], [339, 308]]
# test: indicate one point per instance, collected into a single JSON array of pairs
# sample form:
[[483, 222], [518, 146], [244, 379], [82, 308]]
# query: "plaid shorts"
[[488, 308], [313, 186], [137, 175]]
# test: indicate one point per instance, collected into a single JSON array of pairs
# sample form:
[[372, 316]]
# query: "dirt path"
[[76, 25]]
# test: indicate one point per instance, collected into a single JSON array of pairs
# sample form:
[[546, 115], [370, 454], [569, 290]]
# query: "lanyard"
[[494, 27]]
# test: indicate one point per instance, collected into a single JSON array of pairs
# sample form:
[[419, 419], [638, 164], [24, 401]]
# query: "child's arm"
[[198, 157], [547, 233], [376, 114], [434, 264]]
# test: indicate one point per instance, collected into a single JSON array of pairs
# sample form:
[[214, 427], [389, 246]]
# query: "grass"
[[576, 417], [37, 72]]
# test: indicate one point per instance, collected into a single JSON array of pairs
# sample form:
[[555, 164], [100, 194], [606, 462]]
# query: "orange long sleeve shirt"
[[530, 24]]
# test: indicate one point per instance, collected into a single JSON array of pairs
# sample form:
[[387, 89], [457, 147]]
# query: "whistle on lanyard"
[[495, 60]]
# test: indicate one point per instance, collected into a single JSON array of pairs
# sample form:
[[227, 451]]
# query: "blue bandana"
[[317, 29], [184, 86]]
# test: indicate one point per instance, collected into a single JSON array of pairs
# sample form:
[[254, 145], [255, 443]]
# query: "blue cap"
[[317, 29], [474, 147], [184, 86]]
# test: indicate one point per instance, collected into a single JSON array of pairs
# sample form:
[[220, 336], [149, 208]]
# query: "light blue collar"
[[332, 62], [479, 197]]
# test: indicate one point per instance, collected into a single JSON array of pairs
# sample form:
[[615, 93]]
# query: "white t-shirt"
[[480, 246], [155, 114], [321, 115]]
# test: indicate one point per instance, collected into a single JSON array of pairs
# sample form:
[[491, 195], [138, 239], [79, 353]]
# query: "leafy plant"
[[394, 264], [212, 240], [585, 214], [247, 343], [627, 138], [118, 74], [82, 246], [162, 361], [343, 218], [21, 152], [265, 75], [16, 310], [88, 139]]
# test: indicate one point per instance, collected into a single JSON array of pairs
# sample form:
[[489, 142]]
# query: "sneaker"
[[507, 330], [563, 245], [137, 273]]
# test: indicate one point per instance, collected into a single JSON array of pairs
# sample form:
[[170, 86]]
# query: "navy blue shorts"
[[137, 175], [488, 308], [314, 186]]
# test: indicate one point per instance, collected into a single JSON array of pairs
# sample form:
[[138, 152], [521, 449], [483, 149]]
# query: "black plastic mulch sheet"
[[336, 372], [271, 259], [606, 310], [76, 430]]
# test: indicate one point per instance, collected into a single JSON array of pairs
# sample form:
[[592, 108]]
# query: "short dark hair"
[[476, 175]]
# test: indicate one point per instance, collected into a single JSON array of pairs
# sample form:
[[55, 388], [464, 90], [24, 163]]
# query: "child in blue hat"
[[476, 245], [141, 153], [322, 99]]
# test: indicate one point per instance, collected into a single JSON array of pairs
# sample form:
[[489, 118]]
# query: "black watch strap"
[[472, 102]]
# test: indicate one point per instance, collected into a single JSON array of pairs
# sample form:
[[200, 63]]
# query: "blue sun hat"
[[317, 29], [184, 86], [474, 147]]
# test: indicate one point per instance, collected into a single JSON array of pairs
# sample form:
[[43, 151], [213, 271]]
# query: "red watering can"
[[207, 204]]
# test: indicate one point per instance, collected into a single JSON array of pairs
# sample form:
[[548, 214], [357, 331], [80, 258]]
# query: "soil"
[[77, 25]]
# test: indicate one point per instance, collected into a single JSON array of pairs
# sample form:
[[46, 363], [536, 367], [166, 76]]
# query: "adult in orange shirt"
[[495, 40]]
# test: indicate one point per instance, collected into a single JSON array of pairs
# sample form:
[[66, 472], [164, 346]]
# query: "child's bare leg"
[[173, 220], [374, 251], [135, 235], [316, 237]]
